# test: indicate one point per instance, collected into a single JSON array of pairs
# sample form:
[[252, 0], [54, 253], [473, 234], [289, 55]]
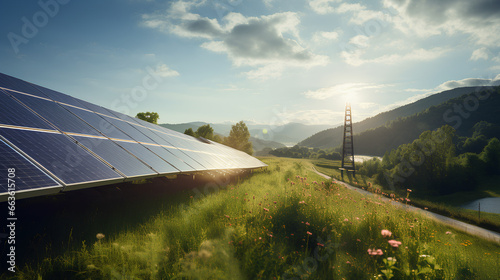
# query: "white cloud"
[[268, 3], [356, 57], [360, 41], [360, 14], [367, 105], [346, 89], [469, 82], [481, 53], [497, 58], [251, 41], [479, 19], [314, 116], [162, 70], [266, 72], [322, 6], [324, 36]]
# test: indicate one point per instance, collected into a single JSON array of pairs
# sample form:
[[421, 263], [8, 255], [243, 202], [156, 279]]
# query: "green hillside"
[[463, 113], [331, 138]]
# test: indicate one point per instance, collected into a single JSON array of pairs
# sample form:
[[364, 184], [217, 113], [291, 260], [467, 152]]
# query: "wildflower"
[[307, 224], [274, 202], [408, 190], [346, 220], [260, 238], [448, 232], [394, 243], [379, 252], [302, 202], [227, 216], [99, 236], [386, 233], [265, 209], [309, 233], [359, 240]]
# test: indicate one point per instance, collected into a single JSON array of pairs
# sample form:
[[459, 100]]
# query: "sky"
[[263, 61]]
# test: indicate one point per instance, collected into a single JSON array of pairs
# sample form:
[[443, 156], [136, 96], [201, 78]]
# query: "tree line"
[[239, 136], [439, 162], [304, 152]]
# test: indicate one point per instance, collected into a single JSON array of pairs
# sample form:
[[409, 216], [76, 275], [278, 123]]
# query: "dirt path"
[[467, 228]]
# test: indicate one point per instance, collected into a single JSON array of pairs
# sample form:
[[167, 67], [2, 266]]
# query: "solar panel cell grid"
[[27, 175], [13, 113], [64, 158], [99, 123], [117, 156], [146, 155], [56, 115]]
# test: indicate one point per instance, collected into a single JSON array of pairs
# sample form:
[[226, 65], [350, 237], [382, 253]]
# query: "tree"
[[239, 138], [151, 117], [189, 132], [205, 131]]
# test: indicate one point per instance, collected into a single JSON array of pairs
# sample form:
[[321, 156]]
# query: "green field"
[[447, 205], [285, 222]]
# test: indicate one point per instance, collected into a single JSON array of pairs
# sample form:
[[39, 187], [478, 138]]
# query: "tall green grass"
[[282, 223], [447, 205]]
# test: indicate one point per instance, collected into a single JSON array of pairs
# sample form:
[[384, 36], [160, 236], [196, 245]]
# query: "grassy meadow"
[[447, 205], [285, 222]]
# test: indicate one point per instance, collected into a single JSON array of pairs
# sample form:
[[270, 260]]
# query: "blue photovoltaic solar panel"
[[175, 158], [13, 113], [98, 146], [27, 175], [99, 123], [56, 114], [116, 156], [150, 158], [58, 154], [18, 85], [129, 130], [58, 96]]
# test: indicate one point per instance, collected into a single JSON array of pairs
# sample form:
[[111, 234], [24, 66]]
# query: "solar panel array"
[[57, 142]]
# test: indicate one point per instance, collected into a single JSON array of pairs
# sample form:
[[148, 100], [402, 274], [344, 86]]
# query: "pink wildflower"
[[309, 233], [307, 224], [386, 233], [394, 243]]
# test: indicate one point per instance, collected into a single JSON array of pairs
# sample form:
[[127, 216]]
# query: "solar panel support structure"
[[348, 144]]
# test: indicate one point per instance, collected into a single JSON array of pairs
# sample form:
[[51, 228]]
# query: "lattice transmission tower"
[[348, 144]]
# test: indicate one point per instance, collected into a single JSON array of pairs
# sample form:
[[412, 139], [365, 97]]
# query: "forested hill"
[[474, 115], [332, 137]]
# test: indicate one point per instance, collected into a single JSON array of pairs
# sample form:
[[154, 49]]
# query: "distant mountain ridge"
[[287, 134], [462, 112], [332, 137]]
